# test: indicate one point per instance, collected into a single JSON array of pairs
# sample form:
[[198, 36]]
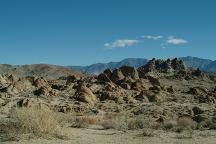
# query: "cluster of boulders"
[[142, 90], [38, 85], [163, 66]]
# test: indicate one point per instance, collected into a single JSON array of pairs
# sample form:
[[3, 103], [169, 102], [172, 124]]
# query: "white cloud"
[[163, 46], [121, 43], [152, 37], [176, 41]]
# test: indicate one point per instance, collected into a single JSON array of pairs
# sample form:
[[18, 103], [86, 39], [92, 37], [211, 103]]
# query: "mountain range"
[[203, 64], [54, 71]]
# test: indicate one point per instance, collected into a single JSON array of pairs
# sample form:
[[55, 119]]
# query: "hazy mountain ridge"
[[197, 62], [100, 67], [203, 64]]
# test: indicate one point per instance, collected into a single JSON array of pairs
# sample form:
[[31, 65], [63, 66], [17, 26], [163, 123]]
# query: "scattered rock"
[[155, 88], [125, 86], [170, 90], [200, 118], [197, 91], [142, 97], [197, 110], [25, 103]]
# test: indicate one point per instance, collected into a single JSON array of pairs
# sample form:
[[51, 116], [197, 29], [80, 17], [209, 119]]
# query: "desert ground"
[[97, 135], [161, 102]]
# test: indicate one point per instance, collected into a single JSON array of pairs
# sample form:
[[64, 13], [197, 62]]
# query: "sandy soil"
[[97, 136]]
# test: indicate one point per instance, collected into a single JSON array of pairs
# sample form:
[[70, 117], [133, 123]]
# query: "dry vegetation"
[[33, 122]]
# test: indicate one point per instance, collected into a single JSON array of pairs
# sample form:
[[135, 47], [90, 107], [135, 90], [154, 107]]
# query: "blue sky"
[[82, 32]]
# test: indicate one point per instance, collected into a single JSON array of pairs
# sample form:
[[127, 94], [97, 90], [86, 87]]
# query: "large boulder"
[[25, 102], [72, 79], [105, 76], [140, 85], [197, 110], [149, 67], [170, 89], [151, 96], [117, 75], [40, 82], [129, 71], [3, 81], [154, 81], [11, 78], [116, 96], [46, 91], [108, 72], [84, 94], [178, 64], [23, 84]]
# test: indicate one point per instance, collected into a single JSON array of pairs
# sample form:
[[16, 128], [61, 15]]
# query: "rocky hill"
[[39, 70]]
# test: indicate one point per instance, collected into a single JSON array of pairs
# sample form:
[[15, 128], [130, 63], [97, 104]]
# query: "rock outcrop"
[[162, 66], [84, 94]]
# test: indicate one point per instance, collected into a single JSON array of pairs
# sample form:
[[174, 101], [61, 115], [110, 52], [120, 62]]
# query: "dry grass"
[[107, 121], [118, 122], [115, 122], [124, 123], [33, 121], [85, 121], [148, 132], [169, 124], [185, 123], [184, 128]]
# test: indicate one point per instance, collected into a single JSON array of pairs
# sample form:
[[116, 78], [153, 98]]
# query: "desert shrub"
[[124, 123], [120, 122], [184, 128], [136, 123], [141, 122], [34, 121], [108, 124], [148, 132], [85, 121], [206, 124], [185, 123], [169, 124]]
